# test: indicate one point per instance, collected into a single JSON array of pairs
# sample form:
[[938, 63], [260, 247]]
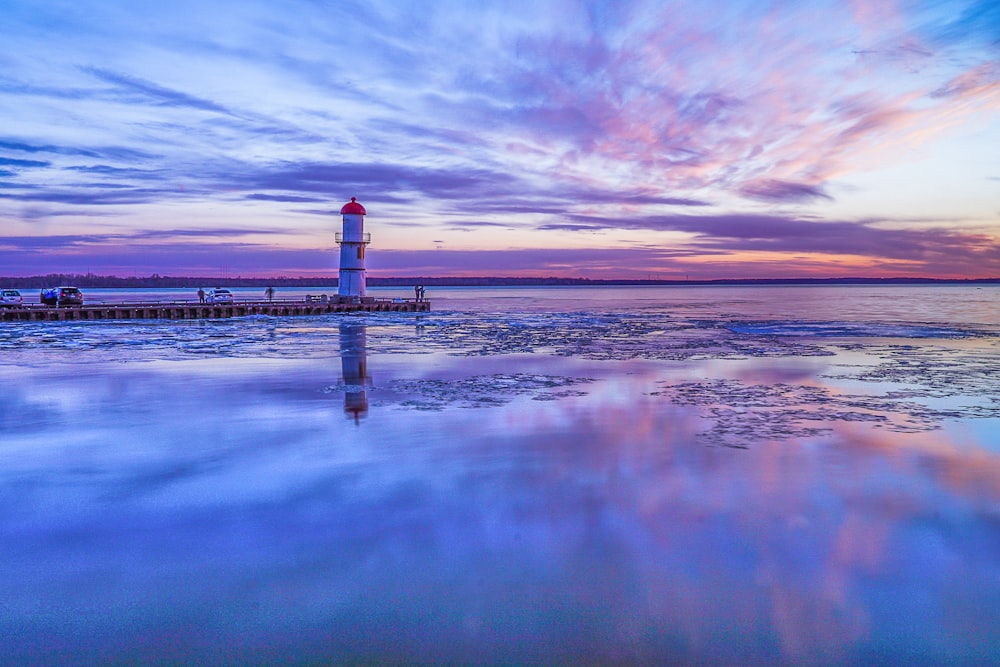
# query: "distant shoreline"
[[168, 282]]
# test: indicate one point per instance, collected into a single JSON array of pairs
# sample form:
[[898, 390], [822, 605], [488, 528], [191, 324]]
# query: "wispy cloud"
[[298, 199], [139, 90], [111, 196], [783, 191], [14, 162], [45, 148], [392, 179]]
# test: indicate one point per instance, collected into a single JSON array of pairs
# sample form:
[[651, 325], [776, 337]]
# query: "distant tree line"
[[156, 280]]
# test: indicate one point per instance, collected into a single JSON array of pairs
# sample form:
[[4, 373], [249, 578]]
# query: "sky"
[[614, 139]]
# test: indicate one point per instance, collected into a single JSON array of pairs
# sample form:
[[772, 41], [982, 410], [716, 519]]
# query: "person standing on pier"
[[269, 294], [416, 292], [201, 295]]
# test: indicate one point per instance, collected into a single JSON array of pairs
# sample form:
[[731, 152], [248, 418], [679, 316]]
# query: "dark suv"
[[62, 296]]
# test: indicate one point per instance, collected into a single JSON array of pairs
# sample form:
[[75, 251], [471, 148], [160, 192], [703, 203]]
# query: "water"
[[735, 475]]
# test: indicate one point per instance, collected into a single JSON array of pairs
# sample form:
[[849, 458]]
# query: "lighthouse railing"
[[366, 237]]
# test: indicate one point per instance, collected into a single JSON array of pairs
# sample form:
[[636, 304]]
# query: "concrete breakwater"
[[199, 311]]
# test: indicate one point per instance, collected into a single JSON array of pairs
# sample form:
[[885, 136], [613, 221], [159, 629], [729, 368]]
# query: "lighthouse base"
[[351, 282]]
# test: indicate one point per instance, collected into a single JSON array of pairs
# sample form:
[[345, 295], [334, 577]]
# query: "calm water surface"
[[710, 475]]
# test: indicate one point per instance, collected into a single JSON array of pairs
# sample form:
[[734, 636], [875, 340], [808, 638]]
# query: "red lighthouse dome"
[[353, 207]]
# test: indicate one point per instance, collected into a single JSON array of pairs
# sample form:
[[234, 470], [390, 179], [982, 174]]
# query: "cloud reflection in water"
[[224, 511]]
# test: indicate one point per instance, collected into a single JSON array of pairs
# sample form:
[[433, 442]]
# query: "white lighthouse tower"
[[352, 240]]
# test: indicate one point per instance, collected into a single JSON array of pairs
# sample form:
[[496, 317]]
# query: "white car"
[[219, 295], [10, 298]]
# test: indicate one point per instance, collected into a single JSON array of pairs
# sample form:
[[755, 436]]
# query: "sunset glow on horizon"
[[597, 140]]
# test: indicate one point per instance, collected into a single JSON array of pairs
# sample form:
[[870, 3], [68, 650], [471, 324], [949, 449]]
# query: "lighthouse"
[[352, 240]]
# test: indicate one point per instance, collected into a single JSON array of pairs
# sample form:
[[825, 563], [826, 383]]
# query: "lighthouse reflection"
[[354, 367]]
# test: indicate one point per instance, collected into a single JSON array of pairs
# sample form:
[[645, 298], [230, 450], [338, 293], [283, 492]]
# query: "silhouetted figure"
[[201, 295], [416, 292], [269, 294]]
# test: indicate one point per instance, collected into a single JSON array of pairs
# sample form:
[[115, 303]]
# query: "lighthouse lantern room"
[[352, 240]]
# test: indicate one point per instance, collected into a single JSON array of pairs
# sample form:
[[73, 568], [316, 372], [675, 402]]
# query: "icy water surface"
[[752, 475]]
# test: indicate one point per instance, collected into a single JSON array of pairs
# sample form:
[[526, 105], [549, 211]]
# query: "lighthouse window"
[[361, 252]]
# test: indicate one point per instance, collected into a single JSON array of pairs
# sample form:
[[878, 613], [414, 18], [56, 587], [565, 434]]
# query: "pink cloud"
[[654, 113]]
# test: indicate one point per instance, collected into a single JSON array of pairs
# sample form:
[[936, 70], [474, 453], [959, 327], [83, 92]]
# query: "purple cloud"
[[13, 145], [473, 225], [142, 90], [734, 233], [114, 195], [982, 78], [783, 191], [118, 172], [392, 179], [14, 162], [296, 199], [529, 261]]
